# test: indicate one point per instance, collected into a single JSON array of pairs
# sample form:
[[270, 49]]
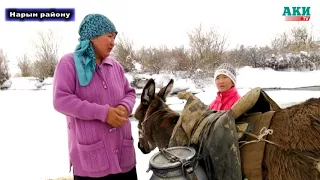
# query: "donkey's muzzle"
[[142, 149]]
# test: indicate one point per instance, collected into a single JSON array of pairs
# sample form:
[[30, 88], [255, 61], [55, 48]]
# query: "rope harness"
[[264, 132]]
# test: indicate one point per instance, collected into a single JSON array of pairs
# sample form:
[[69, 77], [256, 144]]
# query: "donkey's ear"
[[165, 91], [148, 92]]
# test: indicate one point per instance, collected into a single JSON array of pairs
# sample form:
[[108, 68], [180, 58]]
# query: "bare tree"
[[124, 52], [166, 59], [281, 42], [206, 48], [180, 56], [299, 38], [255, 56], [303, 39], [155, 59], [4, 67], [140, 56], [46, 55], [25, 66], [236, 56], [248, 56]]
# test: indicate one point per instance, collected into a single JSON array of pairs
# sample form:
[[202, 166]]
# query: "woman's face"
[[103, 45], [223, 83]]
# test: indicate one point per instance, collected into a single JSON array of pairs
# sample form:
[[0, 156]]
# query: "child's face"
[[223, 83]]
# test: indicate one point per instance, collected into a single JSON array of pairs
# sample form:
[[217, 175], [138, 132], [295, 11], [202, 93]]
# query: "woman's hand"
[[124, 109], [116, 117]]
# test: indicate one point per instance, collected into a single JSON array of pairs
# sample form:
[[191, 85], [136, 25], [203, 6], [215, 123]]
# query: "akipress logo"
[[296, 13]]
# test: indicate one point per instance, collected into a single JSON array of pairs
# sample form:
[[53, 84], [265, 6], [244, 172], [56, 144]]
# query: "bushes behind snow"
[[299, 62]]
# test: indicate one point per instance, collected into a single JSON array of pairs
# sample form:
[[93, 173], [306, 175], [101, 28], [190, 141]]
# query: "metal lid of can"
[[159, 161]]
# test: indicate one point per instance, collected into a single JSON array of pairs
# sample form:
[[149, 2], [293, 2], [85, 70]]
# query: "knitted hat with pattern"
[[228, 70]]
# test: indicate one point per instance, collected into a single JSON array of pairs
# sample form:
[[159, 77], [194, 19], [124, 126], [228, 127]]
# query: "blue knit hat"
[[92, 26]]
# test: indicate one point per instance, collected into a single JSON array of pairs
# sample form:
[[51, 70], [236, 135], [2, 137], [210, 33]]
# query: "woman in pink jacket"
[[227, 95]]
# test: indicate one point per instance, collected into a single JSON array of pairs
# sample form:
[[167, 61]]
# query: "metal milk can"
[[176, 163]]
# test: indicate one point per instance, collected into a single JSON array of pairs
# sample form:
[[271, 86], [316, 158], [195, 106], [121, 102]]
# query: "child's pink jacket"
[[225, 100]]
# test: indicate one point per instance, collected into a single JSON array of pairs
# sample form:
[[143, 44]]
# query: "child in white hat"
[[225, 79]]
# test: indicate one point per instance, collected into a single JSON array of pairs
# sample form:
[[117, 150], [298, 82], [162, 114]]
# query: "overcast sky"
[[153, 23]]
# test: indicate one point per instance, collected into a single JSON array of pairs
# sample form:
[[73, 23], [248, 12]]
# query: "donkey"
[[157, 122], [162, 118], [296, 128]]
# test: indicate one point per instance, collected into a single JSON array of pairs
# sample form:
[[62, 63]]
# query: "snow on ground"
[[34, 136], [27, 83]]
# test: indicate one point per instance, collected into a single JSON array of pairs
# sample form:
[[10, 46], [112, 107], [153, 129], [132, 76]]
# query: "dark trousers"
[[131, 175]]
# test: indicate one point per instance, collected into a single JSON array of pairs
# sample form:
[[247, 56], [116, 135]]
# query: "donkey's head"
[[156, 119]]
